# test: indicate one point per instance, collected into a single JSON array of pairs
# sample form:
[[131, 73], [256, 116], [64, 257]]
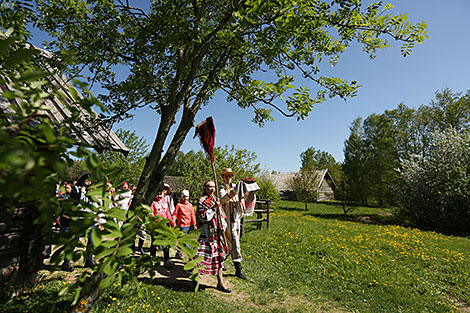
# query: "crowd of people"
[[219, 220]]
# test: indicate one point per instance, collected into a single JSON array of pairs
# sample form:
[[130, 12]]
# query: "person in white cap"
[[230, 202], [183, 216]]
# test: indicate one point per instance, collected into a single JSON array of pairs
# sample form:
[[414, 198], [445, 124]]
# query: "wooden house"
[[326, 185]]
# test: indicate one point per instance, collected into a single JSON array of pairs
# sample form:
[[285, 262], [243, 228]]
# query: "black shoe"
[[226, 290], [240, 274], [238, 270], [90, 263], [67, 267]]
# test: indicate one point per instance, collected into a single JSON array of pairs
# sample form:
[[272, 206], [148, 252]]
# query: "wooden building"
[[326, 186]]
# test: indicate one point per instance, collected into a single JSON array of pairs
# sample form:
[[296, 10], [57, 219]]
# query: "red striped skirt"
[[213, 260]]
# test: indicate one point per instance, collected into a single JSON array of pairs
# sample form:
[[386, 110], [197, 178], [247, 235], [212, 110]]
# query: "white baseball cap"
[[185, 193]]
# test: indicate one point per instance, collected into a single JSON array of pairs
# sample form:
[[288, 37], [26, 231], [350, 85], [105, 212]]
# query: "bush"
[[435, 190], [267, 190]]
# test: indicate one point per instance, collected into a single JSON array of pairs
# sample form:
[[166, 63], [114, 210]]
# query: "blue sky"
[[440, 62]]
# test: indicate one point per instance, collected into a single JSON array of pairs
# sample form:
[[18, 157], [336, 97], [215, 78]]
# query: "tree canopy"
[[319, 160], [127, 168], [380, 145], [195, 167], [177, 54]]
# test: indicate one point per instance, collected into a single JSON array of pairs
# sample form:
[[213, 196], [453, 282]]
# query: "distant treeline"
[[389, 156]]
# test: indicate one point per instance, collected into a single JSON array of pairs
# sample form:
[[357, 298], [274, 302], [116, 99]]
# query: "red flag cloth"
[[206, 132]]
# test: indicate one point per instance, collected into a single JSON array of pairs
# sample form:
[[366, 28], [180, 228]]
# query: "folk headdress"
[[206, 132]]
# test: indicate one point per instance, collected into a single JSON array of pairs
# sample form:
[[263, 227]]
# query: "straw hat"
[[227, 171]]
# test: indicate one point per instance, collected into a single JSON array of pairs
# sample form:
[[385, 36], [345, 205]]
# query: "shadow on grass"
[[173, 277], [354, 214], [38, 300], [376, 219]]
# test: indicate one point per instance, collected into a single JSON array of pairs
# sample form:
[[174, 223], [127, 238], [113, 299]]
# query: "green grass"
[[310, 261]]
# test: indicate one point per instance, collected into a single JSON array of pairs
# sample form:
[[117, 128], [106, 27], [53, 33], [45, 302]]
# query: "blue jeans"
[[186, 231]]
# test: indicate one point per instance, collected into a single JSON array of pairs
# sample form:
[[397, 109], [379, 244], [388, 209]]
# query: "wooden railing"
[[262, 210]]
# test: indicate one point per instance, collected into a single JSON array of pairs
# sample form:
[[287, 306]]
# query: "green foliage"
[[34, 155], [220, 45], [435, 190], [355, 175], [267, 190], [305, 185], [32, 150], [315, 159], [381, 159], [378, 146], [195, 167], [127, 168], [76, 170]]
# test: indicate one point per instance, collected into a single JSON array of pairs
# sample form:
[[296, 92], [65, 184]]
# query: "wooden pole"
[[215, 181], [218, 208]]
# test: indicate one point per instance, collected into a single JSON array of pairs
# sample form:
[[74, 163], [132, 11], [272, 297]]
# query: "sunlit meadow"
[[308, 261]]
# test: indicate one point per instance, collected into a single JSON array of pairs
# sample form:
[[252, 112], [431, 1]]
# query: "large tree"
[[355, 174], [319, 160], [178, 53], [381, 158]]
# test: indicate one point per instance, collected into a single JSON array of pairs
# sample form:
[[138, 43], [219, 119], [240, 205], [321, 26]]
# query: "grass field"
[[308, 261]]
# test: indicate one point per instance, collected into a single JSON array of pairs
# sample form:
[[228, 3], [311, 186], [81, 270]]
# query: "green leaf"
[[109, 243], [191, 264], [117, 213], [124, 251], [96, 237], [110, 267], [105, 283], [63, 291], [76, 295], [104, 253], [74, 93]]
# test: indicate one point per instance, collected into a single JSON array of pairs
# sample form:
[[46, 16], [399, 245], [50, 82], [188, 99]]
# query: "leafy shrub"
[[435, 190], [267, 190]]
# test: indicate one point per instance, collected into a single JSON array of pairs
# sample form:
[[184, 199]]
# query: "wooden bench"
[[262, 207]]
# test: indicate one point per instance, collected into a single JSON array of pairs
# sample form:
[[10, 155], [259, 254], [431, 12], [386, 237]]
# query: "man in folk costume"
[[236, 201]]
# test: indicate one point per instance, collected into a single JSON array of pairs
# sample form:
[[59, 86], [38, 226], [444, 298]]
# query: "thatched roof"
[[90, 129]]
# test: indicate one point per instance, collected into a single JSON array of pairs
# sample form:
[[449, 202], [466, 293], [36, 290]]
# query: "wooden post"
[[267, 213]]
